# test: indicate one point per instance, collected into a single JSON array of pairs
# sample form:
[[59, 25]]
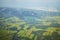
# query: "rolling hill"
[[28, 24]]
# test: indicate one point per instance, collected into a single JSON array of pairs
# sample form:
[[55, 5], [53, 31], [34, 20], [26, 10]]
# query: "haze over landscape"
[[29, 20], [50, 5]]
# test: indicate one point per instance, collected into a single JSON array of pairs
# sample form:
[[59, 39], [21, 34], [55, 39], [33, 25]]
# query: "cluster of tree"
[[14, 28]]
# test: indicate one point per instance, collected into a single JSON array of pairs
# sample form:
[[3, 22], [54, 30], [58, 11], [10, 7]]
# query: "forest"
[[16, 25]]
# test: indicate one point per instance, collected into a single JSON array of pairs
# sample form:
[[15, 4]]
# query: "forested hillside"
[[28, 24]]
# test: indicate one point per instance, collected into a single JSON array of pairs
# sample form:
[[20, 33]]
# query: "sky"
[[32, 4]]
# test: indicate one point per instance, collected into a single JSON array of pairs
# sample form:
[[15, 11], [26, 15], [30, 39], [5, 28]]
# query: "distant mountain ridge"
[[27, 12]]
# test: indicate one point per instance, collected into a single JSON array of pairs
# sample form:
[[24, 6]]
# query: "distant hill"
[[26, 12], [23, 13]]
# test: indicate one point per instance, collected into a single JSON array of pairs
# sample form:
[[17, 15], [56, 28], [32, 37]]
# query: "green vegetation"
[[13, 28]]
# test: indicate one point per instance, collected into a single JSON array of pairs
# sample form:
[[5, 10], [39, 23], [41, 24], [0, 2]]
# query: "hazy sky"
[[32, 4]]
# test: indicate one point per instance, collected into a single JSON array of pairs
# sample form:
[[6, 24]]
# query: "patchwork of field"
[[29, 28]]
